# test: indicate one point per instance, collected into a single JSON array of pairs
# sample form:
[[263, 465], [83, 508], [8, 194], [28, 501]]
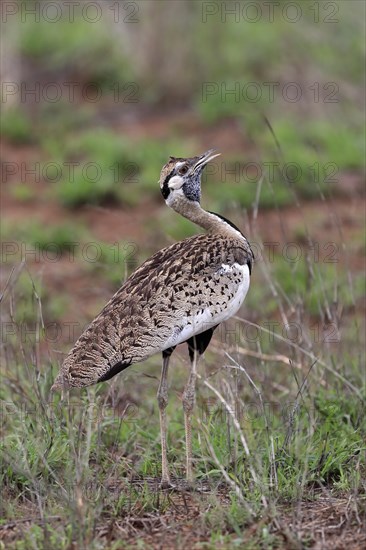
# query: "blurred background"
[[95, 97]]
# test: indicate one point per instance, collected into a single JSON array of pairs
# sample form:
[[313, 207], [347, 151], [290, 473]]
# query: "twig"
[[235, 486], [295, 407], [262, 356], [8, 286], [240, 432], [307, 353]]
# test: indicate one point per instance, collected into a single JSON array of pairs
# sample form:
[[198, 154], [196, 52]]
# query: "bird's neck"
[[209, 221]]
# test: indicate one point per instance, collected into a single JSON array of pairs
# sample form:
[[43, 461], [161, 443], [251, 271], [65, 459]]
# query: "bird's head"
[[181, 177]]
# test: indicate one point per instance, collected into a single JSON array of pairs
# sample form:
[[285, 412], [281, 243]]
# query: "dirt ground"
[[325, 523]]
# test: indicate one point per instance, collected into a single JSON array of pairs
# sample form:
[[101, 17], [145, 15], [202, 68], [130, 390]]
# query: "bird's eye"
[[183, 170]]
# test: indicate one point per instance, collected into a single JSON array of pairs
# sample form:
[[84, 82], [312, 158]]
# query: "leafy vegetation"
[[99, 60], [55, 240], [16, 126]]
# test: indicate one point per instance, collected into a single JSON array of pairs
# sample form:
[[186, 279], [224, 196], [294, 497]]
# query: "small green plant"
[[115, 261], [56, 240], [106, 171], [16, 126], [23, 192], [100, 61]]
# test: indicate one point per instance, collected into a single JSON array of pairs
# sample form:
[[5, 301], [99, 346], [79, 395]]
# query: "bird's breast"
[[213, 300]]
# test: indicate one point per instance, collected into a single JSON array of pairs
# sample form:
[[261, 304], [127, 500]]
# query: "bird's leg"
[[163, 401], [188, 404]]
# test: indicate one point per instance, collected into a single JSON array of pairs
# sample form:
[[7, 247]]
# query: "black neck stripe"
[[227, 221], [165, 191], [249, 260]]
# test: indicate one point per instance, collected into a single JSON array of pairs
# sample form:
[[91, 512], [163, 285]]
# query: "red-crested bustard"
[[180, 294]]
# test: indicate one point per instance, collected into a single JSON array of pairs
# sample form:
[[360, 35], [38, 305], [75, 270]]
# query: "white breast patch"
[[206, 319]]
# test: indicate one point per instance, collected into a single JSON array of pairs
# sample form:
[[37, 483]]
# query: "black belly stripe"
[[118, 367]]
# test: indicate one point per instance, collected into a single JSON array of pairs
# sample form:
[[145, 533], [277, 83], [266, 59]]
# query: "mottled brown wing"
[[140, 317]]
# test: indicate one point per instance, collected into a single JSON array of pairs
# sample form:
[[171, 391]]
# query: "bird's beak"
[[205, 159]]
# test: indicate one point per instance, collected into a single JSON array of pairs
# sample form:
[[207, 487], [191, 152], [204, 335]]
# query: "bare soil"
[[327, 522]]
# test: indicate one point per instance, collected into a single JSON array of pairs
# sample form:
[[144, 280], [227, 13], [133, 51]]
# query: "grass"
[[58, 122], [16, 126], [308, 166], [104, 168], [101, 170], [50, 244], [23, 193], [111, 262], [320, 149], [70, 456], [99, 61], [321, 138], [114, 262], [36, 309], [108, 168]]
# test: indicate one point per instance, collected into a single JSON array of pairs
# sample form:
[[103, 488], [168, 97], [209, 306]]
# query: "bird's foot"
[[189, 485], [180, 485], [167, 484]]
